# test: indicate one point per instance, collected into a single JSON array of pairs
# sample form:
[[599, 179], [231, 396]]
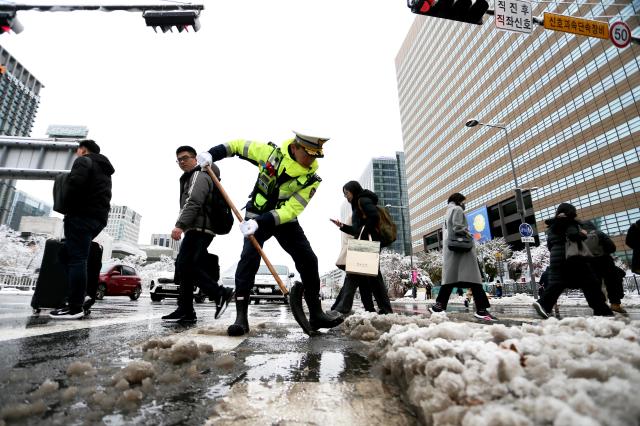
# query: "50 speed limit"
[[620, 34]]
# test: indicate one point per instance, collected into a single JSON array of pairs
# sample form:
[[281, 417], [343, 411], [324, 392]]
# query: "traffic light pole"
[[8, 7], [164, 16]]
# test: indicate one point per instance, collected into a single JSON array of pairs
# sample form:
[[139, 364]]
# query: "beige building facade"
[[570, 105]]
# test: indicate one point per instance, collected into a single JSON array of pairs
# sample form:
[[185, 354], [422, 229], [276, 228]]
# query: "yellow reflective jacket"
[[293, 193]]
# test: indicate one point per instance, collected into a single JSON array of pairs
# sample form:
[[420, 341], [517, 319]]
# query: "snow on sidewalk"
[[572, 372], [521, 299]]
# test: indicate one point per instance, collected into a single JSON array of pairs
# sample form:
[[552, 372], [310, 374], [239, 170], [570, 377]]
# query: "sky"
[[256, 70]]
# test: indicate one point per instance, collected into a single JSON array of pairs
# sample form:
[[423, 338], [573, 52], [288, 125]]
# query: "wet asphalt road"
[[276, 375], [228, 383]]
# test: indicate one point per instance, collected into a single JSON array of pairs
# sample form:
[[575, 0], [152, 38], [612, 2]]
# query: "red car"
[[119, 280]]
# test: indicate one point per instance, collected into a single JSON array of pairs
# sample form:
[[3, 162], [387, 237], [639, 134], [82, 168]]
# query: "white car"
[[266, 287], [163, 286]]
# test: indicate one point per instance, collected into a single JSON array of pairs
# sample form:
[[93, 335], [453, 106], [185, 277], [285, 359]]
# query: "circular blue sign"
[[526, 230]]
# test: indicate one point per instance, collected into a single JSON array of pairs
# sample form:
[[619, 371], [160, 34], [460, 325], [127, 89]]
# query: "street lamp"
[[517, 190]]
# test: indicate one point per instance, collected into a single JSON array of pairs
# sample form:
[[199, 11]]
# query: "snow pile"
[[574, 372], [99, 387], [516, 299], [370, 325]]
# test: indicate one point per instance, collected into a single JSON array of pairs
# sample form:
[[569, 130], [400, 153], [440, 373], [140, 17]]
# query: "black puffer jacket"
[[559, 230], [89, 187], [364, 213]]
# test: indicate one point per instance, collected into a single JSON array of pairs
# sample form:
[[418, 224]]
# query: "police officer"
[[286, 183]]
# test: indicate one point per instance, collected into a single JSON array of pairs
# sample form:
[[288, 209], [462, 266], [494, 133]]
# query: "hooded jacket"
[[560, 229], [89, 187]]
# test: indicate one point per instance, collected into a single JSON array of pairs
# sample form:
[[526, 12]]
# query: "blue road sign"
[[526, 230]]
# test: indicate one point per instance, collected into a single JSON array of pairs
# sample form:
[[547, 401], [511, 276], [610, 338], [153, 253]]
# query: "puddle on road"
[[306, 367]]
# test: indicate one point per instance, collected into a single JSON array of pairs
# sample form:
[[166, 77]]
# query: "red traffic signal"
[[9, 22], [469, 11], [166, 20]]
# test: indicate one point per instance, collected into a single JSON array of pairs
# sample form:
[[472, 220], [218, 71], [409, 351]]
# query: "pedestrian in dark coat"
[[87, 203], [602, 247], [365, 219], [574, 272], [633, 241], [460, 269]]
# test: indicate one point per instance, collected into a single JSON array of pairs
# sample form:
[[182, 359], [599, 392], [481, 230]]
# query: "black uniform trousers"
[[191, 270], [292, 239]]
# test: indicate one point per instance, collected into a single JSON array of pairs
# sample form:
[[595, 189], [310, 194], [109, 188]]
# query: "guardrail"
[[24, 282]]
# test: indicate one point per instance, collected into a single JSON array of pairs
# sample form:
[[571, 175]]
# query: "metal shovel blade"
[[295, 302]]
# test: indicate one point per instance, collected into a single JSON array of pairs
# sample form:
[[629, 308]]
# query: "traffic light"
[[9, 22], [180, 19], [469, 11]]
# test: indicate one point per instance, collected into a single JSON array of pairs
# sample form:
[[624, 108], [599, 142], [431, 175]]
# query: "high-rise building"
[[26, 205], [123, 224], [386, 177], [165, 240], [19, 100], [570, 106]]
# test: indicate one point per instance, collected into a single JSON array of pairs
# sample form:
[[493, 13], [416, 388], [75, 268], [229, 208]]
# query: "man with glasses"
[[286, 183], [195, 222]]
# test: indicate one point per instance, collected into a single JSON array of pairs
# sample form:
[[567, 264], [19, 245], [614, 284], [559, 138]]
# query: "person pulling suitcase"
[[84, 198]]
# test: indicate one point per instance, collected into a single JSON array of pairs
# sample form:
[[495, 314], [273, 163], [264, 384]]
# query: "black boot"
[[241, 326], [317, 317]]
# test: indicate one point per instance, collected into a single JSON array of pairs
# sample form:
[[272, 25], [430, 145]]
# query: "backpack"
[[220, 213], [593, 243], [387, 229], [60, 190]]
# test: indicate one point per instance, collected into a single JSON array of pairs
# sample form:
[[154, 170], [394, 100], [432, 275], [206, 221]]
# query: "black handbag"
[[459, 243]]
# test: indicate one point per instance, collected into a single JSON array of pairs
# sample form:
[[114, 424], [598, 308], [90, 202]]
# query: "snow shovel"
[[295, 298]]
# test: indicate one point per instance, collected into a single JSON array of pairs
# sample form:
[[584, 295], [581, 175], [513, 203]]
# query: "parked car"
[[118, 280], [164, 286], [266, 287]]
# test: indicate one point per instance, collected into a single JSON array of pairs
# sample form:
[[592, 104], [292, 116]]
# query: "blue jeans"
[[79, 232]]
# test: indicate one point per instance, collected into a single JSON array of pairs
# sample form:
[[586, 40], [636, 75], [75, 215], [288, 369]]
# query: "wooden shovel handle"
[[251, 238]]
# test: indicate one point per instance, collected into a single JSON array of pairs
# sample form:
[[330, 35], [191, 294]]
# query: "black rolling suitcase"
[[51, 287]]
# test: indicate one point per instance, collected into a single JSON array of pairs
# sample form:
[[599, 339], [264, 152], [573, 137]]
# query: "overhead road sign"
[[35, 158], [513, 15], [620, 34], [573, 25]]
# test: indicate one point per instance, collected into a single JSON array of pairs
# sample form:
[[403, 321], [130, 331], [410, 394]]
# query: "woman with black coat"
[[364, 223], [574, 272]]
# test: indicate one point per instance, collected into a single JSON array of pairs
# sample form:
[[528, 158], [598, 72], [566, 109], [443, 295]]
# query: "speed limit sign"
[[620, 34]]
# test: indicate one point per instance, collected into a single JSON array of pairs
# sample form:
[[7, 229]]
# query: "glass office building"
[[570, 105], [19, 100], [386, 177]]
